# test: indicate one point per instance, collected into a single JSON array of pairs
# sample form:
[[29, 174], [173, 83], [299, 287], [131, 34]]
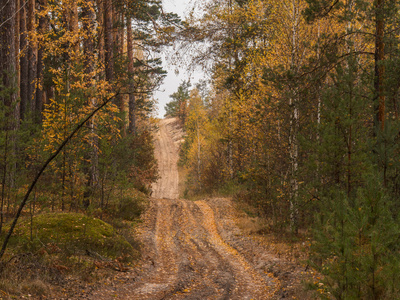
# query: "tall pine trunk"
[[23, 60], [32, 52], [132, 100], [42, 29], [100, 33], [379, 101], [16, 43], [117, 46], [108, 40], [379, 97]]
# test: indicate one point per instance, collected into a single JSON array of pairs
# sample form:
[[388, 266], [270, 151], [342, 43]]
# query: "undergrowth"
[[48, 250]]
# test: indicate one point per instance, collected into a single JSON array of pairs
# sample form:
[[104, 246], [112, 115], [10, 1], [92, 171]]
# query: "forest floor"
[[199, 249]]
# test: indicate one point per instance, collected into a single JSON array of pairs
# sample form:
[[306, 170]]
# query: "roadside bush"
[[128, 208]]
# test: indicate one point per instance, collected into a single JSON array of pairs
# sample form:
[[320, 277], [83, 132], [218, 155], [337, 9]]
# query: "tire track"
[[166, 154], [191, 259], [184, 254]]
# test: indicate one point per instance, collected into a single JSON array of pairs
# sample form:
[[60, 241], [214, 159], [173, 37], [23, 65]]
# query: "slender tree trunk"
[[74, 28], [42, 29], [294, 124], [379, 101], [350, 45], [4, 180], [44, 166], [230, 113], [23, 60], [39, 96], [108, 40], [100, 32], [32, 52], [88, 49], [17, 38], [118, 48], [88, 42], [132, 100], [319, 106], [63, 175]]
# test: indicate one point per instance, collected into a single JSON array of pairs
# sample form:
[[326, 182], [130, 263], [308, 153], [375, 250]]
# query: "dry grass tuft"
[[251, 225], [25, 276], [282, 243], [35, 287]]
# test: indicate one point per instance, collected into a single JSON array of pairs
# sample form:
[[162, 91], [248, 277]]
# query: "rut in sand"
[[190, 259], [193, 250]]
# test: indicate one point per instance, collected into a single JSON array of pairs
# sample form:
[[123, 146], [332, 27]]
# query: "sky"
[[173, 78]]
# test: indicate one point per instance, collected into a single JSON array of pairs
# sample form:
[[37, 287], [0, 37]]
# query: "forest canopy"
[[76, 105]]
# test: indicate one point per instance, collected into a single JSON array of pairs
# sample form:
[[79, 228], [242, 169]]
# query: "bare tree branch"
[[44, 166]]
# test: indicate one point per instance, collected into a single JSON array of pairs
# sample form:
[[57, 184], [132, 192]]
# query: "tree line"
[[60, 61], [301, 120]]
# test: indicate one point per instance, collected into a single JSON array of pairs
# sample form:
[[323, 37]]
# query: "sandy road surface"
[[166, 152], [190, 259], [193, 250]]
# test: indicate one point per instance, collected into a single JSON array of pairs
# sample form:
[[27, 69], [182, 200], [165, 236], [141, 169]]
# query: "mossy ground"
[[70, 234], [50, 247]]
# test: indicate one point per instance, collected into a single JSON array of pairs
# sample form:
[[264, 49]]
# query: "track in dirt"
[[166, 153], [191, 260], [192, 250]]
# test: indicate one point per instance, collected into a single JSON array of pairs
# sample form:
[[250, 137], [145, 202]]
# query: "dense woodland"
[[76, 84], [301, 120]]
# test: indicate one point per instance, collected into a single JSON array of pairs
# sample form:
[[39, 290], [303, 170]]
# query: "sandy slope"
[[166, 152]]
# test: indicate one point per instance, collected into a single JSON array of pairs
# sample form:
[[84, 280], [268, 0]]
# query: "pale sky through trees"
[[172, 80]]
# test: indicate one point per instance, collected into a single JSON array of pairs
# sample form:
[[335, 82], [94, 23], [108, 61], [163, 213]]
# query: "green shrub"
[[128, 208], [356, 245]]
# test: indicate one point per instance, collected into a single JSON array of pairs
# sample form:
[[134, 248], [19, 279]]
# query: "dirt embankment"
[[194, 250]]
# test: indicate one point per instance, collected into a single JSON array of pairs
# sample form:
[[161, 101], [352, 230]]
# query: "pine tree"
[[357, 240], [178, 106]]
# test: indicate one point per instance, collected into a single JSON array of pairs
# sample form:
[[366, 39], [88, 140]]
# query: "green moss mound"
[[70, 234]]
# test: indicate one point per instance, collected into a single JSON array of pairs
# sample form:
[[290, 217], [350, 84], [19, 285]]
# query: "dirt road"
[[194, 250], [166, 152], [189, 257]]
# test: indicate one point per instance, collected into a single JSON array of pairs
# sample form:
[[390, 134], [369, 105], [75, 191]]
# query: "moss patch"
[[70, 234], [56, 251]]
